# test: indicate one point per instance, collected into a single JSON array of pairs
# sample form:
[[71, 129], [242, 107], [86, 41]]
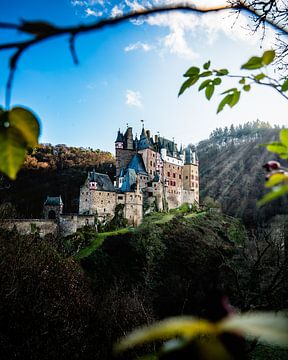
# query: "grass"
[[191, 215], [100, 237]]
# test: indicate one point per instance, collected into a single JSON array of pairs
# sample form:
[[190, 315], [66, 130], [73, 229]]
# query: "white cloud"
[[90, 12], [138, 45], [78, 3], [116, 11], [182, 26], [133, 98]]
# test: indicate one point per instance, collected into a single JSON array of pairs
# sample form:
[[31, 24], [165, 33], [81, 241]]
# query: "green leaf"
[[206, 73], [26, 122], [276, 179], [204, 84], [189, 82], [247, 87], [277, 148], [12, 151], [229, 91], [222, 72], [284, 137], [259, 77], [192, 71], [254, 62], [235, 98], [284, 86], [217, 81], [267, 327], [224, 102], [185, 326], [242, 81], [274, 194], [19, 130], [268, 57], [207, 65], [209, 91]]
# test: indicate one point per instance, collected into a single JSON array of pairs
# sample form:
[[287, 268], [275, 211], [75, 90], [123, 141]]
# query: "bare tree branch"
[[41, 31]]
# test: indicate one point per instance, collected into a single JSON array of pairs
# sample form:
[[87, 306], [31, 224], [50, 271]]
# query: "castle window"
[[101, 201], [120, 197], [174, 175], [180, 177], [104, 209], [192, 177], [186, 177], [108, 194], [151, 163], [150, 194], [168, 173]]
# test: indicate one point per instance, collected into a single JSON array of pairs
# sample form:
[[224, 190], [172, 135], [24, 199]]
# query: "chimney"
[[148, 134]]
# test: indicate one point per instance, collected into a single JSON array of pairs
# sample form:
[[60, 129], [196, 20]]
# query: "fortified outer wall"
[[31, 226], [70, 223]]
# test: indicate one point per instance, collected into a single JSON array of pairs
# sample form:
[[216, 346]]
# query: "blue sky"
[[131, 72]]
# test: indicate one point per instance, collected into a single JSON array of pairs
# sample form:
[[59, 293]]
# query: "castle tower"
[[191, 172], [53, 208], [125, 148], [133, 209]]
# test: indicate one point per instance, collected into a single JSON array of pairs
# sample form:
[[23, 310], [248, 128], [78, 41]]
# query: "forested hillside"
[[52, 170], [231, 170]]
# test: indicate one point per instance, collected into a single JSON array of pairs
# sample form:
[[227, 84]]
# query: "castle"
[[151, 173]]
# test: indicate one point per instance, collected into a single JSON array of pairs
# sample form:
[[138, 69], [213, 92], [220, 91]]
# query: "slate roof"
[[53, 201], [170, 146], [103, 181], [190, 155], [129, 182], [137, 164], [120, 137]]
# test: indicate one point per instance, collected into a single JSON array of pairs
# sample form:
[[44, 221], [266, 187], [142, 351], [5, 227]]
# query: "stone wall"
[[31, 226], [93, 202], [188, 197], [191, 179], [133, 210], [69, 224]]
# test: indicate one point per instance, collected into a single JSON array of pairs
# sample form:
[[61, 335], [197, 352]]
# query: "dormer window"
[[93, 185]]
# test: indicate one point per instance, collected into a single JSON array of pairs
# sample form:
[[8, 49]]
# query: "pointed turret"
[[119, 140]]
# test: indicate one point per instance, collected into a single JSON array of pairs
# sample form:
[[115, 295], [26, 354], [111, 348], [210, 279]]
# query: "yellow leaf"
[[188, 327], [276, 179]]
